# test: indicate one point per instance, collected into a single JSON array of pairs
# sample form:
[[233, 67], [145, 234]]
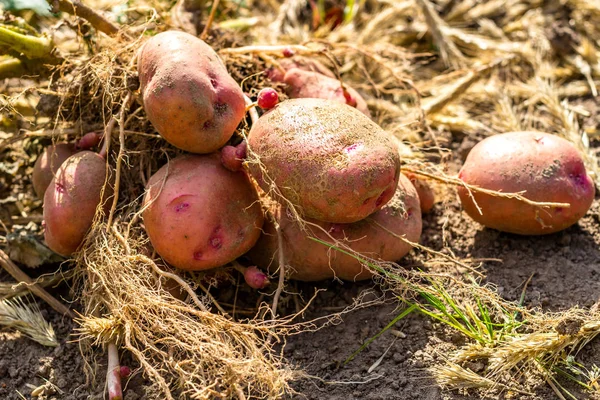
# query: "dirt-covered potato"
[[199, 215], [373, 237], [327, 158], [71, 200], [47, 164], [187, 93], [307, 84], [547, 167]]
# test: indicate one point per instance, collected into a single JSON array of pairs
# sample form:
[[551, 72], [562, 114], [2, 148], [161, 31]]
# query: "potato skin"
[[71, 200], [312, 261], [47, 164], [276, 74], [425, 191], [547, 167], [325, 157], [308, 84], [187, 93], [204, 216]]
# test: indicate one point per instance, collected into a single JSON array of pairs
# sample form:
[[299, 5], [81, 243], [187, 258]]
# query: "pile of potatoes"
[[320, 168]]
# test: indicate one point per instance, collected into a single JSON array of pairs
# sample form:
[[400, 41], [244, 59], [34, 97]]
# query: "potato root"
[[547, 167]]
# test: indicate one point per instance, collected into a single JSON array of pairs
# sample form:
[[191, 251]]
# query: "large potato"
[[200, 215], [188, 95], [312, 261], [308, 84], [547, 167], [327, 158], [47, 164], [71, 200]]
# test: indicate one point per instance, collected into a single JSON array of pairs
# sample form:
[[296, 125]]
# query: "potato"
[[88, 141], [312, 261], [307, 84], [47, 164], [327, 158], [276, 74], [233, 157], [199, 215], [547, 167], [187, 93], [425, 191], [71, 200]]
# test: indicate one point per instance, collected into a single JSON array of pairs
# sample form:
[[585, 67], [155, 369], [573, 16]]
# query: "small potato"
[[308, 260], [233, 157], [327, 158], [547, 167], [425, 191], [71, 201], [307, 84], [47, 164], [187, 93], [200, 215]]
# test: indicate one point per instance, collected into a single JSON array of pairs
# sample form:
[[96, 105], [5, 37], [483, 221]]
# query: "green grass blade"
[[388, 326]]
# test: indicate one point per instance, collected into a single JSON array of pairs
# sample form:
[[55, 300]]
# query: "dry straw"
[[27, 319]]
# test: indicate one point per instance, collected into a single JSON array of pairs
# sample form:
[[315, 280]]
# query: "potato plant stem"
[[121, 121], [281, 282], [10, 67], [113, 375], [211, 17], [251, 108], [79, 9], [30, 46]]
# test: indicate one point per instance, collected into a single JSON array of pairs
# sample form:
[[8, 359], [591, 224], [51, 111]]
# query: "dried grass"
[[27, 319], [183, 347]]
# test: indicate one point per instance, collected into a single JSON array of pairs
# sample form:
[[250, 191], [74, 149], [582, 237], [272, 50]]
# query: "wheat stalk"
[[27, 319]]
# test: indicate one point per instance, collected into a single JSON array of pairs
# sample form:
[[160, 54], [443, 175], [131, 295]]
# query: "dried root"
[[183, 349]]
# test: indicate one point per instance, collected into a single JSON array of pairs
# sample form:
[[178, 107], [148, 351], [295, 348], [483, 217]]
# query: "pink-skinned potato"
[[200, 215], [308, 84], [71, 200], [276, 74], [326, 158], [376, 237], [187, 92], [47, 164], [548, 168], [425, 191]]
